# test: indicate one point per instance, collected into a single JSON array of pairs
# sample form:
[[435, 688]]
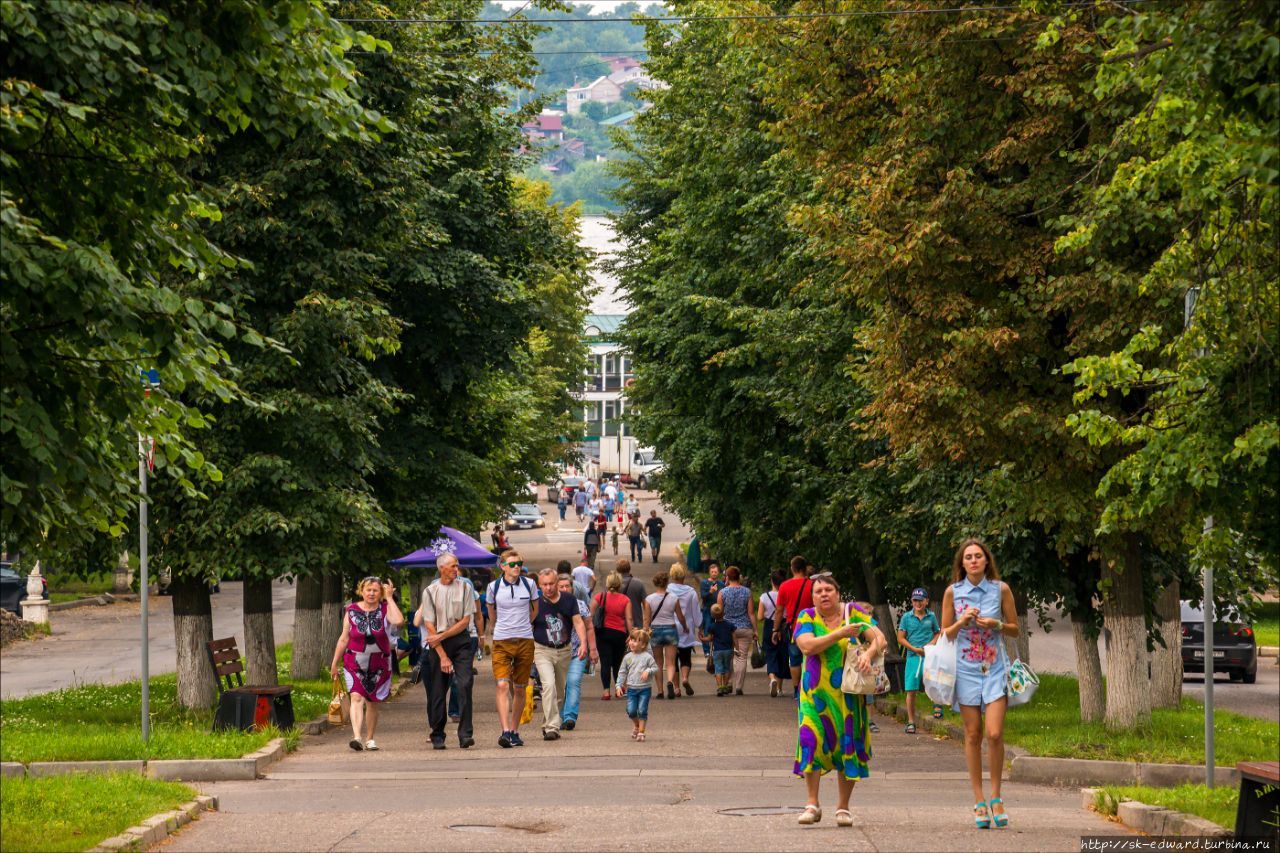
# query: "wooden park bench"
[[1258, 812], [241, 707]]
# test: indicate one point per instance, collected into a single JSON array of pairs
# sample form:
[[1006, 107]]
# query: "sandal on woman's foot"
[[811, 814], [981, 815], [356, 744], [911, 728], [639, 737], [937, 712], [634, 735], [606, 697], [1000, 818], [844, 817], [688, 689]]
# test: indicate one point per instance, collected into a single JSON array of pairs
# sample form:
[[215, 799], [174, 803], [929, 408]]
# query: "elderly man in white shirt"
[[445, 617]]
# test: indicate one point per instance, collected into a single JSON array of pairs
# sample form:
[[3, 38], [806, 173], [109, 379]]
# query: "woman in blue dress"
[[978, 612]]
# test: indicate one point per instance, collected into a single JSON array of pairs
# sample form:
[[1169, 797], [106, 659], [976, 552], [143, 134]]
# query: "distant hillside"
[[577, 54]]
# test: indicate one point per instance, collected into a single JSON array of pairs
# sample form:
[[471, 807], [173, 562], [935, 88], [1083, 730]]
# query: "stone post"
[[35, 607]]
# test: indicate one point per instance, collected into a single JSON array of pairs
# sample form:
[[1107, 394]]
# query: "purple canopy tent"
[[470, 553]]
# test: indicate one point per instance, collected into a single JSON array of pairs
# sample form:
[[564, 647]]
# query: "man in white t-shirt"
[[512, 602], [611, 491], [585, 575], [445, 616]]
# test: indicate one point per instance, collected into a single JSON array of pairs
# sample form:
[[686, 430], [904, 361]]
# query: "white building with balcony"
[[603, 391]]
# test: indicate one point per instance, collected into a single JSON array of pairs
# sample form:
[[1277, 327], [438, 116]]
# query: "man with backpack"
[[794, 596], [592, 538], [512, 601]]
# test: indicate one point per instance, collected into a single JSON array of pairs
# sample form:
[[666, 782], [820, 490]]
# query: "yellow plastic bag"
[[340, 704], [527, 715]]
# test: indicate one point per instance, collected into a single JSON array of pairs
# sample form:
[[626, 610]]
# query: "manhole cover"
[[761, 811]]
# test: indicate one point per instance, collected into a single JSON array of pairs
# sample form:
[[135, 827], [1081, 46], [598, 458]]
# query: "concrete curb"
[[1154, 820], [1080, 771], [246, 767], [155, 829], [1041, 770], [1268, 651], [94, 601]]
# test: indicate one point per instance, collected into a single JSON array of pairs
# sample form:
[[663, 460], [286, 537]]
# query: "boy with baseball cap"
[[917, 629]]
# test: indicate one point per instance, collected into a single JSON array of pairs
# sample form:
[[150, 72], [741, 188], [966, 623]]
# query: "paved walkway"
[[595, 789]]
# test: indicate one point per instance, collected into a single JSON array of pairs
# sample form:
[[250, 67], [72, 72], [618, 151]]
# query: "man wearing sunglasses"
[[512, 602]]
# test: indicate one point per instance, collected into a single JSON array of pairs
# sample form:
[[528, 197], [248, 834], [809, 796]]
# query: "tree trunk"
[[1020, 646], [880, 607], [333, 600], [1024, 628], [308, 638], [120, 579], [1124, 615], [259, 633], [1166, 660], [193, 630], [1088, 671]]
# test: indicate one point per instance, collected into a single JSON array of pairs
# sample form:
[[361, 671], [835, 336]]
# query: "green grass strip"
[[77, 812], [1049, 725], [98, 722], [1217, 804], [1266, 623]]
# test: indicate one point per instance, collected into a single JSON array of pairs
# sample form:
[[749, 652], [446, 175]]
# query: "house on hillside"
[[548, 126], [620, 120], [602, 90], [621, 63]]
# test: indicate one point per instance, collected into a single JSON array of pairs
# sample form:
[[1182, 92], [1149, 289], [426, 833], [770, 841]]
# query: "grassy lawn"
[[100, 722], [77, 812], [72, 589], [1050, 726], [1266, 623], [1217, 805]]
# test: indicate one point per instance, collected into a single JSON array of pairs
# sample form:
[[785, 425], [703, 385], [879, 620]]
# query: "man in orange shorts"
[[512, 602]]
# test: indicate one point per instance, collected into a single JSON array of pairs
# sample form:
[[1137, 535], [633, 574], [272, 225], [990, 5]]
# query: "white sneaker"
[[371, 745]]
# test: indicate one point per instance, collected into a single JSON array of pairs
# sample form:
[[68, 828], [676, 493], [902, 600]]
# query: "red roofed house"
[[546, 126]]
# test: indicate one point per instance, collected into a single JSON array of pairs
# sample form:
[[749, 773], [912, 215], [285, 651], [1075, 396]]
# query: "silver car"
[[525, 516]]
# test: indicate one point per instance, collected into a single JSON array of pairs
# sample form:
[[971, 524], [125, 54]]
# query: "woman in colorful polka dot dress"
[[833, 724]]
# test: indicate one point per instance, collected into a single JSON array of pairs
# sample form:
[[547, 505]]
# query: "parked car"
[[13, 587], [567, 486], [525, 515], [1235, 650]]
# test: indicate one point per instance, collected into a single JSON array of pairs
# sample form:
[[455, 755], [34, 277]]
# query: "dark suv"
[[1235, 651]]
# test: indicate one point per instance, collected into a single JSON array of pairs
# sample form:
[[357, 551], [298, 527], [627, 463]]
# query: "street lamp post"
[[1188, 310], [150, 380]]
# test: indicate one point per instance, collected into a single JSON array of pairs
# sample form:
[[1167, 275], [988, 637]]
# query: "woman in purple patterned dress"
[[365, 649]]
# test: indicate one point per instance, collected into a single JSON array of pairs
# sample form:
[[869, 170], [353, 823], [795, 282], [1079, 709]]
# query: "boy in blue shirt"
[[917, 629], [720, 634]]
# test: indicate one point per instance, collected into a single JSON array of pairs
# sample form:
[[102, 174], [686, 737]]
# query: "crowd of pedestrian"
[[555, 627]]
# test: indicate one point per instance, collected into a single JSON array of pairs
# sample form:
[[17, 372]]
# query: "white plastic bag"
[[939, 672]]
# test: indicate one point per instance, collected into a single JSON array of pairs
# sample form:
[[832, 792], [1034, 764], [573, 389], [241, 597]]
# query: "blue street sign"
[[150, 377]]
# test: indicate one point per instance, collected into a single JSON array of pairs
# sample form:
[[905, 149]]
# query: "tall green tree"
[[1193, 178], [105, 107]]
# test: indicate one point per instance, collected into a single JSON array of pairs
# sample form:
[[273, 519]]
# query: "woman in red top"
[[611, 640]]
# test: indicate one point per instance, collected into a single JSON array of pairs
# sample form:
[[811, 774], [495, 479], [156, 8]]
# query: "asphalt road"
[[102, 644]]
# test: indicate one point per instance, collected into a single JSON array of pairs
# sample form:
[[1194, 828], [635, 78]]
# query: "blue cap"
[[920, 592]]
